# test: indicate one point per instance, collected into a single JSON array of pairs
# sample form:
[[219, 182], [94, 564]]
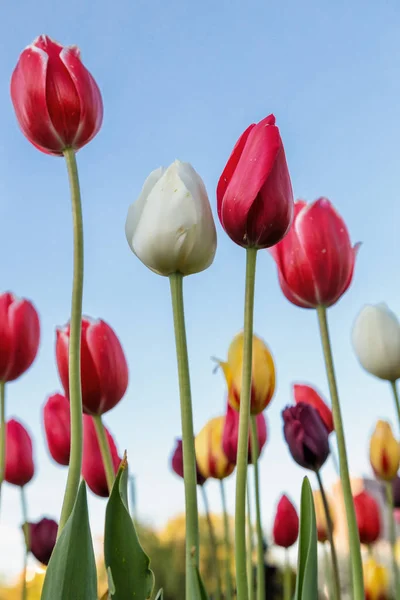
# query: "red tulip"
[[19, 336], [57, 426], [254, 192], [286, 524], [230, 434], [42, 539], [56, 100], [177, 463], [315, 260], [308, 395], [19, 455], [104, 370], [368, 517], [92, 464]]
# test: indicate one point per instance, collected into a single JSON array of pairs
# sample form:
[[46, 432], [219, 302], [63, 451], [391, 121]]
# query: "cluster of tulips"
[[170, 228]]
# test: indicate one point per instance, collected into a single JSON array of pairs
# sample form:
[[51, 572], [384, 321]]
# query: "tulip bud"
[[376, 341], [57, 426], [104, 371], [92, 464], [19, 336], [56, 100], [368, 518], [396, 491], [263, 374], [286, 524], [322, 526], [254, 193], [19, 456], [42, 539], [210, 456], [315, 260], [230, 435], [306, 436], [384, 452], [177, 463], [309, 395], [170, 227], [376, 581]]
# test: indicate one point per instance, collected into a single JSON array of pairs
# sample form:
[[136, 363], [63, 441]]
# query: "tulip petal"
[[25, 334]]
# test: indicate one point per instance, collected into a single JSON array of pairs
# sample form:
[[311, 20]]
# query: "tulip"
[[322, 526], [104, 371], [384, 452], [230, 434], [42, 539], [19, 456], [170, 227], [368, 517], [286, 524], [396, 491], [56, 100], [315, 260], [92, 464], [19, 336], [177, 463], [306, 436], [263, 374], [376, 341], [254, 192], [57, 426], [309, 395], [210, 456], [376, 581]]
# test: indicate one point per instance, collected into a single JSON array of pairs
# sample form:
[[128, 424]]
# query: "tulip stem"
[[25, 527], [392, 535], [3, 432], [354, 540], [228, 547], [287, 577], [329, 528], [244, 418], [250, 573], [260, 542], [75, 391], [105, 451], [213, 544], [396, 398], [189, 460]]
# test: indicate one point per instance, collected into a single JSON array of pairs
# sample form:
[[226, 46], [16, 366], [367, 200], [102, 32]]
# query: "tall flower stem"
[[260, 542], [3, 432], [354, 540], [392, 534], [213, 544], [75, 390], [228, 546], [328, 570], [396, 398], [287, 578], [329, 527], [105, 451], [189, 460], [27, 541], [244, 418], [250, 573]]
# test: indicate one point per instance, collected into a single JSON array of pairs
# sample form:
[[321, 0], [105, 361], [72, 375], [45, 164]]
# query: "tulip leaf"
[[126, 562], [202, 593], [72, 568], [307, 562]]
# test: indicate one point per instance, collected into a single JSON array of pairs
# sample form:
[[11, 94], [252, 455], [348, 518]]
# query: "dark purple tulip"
[[177, 463], [396, 492], [306, 435], [42, 538]]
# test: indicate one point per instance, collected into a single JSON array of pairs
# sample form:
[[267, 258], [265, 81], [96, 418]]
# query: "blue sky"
[[182, 80]]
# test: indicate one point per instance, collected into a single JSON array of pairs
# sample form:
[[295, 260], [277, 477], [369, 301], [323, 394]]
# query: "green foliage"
[[307, 563]]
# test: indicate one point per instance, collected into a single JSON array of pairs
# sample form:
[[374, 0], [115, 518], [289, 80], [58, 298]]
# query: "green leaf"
[[71, 573], [201, 592], [126, 562], [307, 563]]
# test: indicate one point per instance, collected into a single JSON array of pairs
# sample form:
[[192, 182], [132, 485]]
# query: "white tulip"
[[170, 227], [376, 341]]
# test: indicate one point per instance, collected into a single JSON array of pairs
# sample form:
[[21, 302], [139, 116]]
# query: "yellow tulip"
[[210, 456], [384, 452], [263, 374], [322, 528], [376, 581]]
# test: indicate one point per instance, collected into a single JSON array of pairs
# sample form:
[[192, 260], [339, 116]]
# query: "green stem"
[[250, 572], [392, 536], [27, 541], [329, 526], [244, 418], [396, 398], [3, 432], [328, 570], [287, 578], [354, 540], [213, 545], [75, 392], [228, 548], [189, 459], [105, 451], [260, 542]]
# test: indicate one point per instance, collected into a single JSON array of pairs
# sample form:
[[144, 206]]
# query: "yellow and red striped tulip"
[[384, 452], [376, 581], [210, 457]]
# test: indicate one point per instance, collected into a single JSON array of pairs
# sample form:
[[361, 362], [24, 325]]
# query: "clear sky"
[[183, 80]]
